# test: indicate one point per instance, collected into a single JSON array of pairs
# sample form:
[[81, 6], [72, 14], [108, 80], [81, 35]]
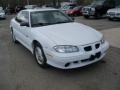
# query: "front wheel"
[[13, 37], [40, 56]]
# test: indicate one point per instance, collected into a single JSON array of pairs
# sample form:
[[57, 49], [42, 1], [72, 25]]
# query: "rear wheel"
[[111, 19], [39, 55]]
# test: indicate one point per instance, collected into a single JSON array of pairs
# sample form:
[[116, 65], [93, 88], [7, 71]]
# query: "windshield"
[[97, 2], [1, 8], [43, 18]]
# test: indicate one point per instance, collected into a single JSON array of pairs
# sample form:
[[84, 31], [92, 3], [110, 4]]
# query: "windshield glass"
[[97, 2], [43, 18]]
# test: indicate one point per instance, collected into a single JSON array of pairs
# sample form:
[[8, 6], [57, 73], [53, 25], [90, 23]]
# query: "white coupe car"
[[114, 13], [55, 39]]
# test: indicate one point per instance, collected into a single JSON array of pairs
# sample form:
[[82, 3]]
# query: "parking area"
[[99, 24], [19, 70]]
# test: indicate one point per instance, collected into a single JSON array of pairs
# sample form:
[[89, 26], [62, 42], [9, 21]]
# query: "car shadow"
[[77, 70]]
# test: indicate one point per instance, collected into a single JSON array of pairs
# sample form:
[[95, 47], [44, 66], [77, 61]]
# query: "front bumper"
[[88, 13], [75, 60], [113, 15]]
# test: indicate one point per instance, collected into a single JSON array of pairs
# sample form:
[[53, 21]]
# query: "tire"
[[97, 16], [13, 37], [111, 19], [86, 16], [39, 55]]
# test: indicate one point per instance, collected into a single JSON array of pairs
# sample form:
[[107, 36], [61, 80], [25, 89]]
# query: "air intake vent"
[[88, 48]]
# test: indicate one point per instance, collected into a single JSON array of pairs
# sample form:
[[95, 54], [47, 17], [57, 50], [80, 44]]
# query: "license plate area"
[[92, 57]]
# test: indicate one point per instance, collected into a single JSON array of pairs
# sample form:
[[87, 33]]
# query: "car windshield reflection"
[[43, 18]]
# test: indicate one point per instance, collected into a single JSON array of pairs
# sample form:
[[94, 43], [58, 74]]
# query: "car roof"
[[40, 9]]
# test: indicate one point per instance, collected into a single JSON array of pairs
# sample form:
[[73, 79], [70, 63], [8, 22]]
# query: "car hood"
[[70, 34], [116, 10]]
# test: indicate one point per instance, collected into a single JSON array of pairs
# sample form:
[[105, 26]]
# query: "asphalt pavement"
[[19, 70]]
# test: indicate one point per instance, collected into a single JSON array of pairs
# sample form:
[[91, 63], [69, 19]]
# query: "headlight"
[[66, 49], [102, 41]]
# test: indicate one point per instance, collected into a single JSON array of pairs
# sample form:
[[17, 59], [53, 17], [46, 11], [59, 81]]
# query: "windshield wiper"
[[62, 22], [45, 24], [40, 24]]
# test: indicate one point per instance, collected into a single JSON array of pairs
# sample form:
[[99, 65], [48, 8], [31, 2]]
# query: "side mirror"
[[24, 24]]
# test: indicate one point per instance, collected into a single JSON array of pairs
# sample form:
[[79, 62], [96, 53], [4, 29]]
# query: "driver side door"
[[24, 30]]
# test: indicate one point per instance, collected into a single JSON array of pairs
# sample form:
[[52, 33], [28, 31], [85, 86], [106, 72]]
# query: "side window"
[[58, 16], [18, 17], [23, 17]]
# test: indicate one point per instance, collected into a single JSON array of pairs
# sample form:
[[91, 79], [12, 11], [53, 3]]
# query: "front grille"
[[91, 47], [88, 48], [111, 13]]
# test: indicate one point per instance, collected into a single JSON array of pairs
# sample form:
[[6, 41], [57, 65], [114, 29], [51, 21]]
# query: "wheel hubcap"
[[13, 37], [39, 55]]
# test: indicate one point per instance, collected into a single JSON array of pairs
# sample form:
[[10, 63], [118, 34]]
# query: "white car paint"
[[1, 8], [114, 13], [62, 34], [69, 33], [88, 10], [2, 14]]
